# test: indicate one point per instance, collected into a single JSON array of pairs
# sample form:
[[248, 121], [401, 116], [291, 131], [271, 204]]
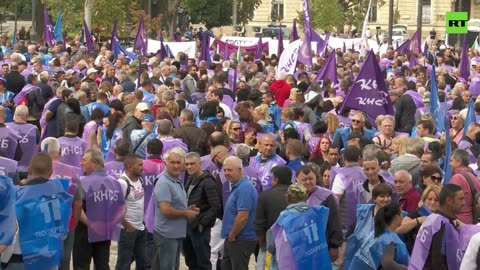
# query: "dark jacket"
[[405, 114], [270, 204], [15, 81], [202, 192], [193, 136], [35, 103], [131, 123]]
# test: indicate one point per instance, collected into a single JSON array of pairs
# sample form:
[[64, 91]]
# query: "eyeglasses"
[[237, 128], [356, 121], [454, 117], [435, 178]]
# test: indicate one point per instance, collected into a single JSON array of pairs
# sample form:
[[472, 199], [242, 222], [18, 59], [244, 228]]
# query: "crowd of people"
[[172, 156]]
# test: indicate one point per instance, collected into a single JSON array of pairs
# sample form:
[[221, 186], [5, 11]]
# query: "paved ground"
[[7, 27]]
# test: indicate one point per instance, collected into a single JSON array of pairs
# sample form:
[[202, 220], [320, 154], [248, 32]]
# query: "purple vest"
[[207, 164], [151, 171], [312, 143], [28, 143], [254, 175], [302, 128], [27, 89], [88, 129], [72, 150], [318, 196], [423, 243], [416, 97], [352, 177], [466, 232], [8, 167], [68, 172], [114, 168], [265, 169], [105, 206], [9, 140], [344, 121], [169, 143]]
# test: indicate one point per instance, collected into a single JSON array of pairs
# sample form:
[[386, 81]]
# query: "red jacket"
[[281, 91]]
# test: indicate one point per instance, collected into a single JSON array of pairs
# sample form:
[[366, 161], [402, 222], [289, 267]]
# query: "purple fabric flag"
[[344, 49], [280, 43], [114, 37], [415, 42], [320, 41], [226, 54], [329, 70], [258, 52], [425, 48], [305, 51], [396, 45], [139, 42], [369, 92], [412, 61], [163, 51], [234, 84], [353, 46], [294, 33], [405, 47], [206, 48], [464, 61], [88, 37], [48, 33], [327, 38]]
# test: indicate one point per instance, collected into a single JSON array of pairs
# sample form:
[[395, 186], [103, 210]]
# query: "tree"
[[216, 13], [354, 12], [324, 14]]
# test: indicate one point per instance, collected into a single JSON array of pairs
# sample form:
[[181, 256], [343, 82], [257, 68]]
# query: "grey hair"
[[415, 146], [79, 94], [173, 69], [96, 155], [175, 151], [21, 111], [235, 160], [371, 158], [242, 151], [370, 150], [164, 127], [192, 155], [50, 145], [404, 173], [462, 156], [168, 95]]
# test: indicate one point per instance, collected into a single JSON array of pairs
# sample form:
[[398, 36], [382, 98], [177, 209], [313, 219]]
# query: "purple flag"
[[88, 37], [425, 48], [226, 54], [405, 47], [280, 43], [140, 38], [464, 61], [294, 33], [329, 70], [163, 51], [320, 42], [48, 34], [327, 38], [114, 37], [412, 61], [258, 52], [415, 42], [369, 92], [353, 46], [206, 48], [305, 51], [344, 49], [234, 84]]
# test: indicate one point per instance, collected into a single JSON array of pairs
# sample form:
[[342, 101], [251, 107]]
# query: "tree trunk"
[[88, 13], [172, 13]]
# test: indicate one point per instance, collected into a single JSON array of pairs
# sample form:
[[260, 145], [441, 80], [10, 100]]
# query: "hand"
[[8, 103], [194, 208], [23, 182], [129, 227], [191, 215], [231, 238], [421, 220], [333, 254]]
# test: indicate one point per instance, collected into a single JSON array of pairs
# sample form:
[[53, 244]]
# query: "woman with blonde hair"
[[332, 124], [174, 110], [261, 114], [399, 146]]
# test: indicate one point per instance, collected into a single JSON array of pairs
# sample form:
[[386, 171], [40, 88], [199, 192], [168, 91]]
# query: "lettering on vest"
[[4, 143], [72, 150], [311, 232], [148, 180], [107, 195], [3, 171]]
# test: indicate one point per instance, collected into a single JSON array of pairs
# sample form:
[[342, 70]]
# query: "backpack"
[[129, 186]]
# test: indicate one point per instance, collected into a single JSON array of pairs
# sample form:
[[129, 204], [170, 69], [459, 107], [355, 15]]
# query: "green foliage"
[[324, 14], [354, 10], [23, 6], [246, 9]]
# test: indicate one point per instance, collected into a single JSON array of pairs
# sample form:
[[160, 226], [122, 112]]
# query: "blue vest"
[[7, 210], [369, 256], [363, 229], [43, 214], [305, 232]]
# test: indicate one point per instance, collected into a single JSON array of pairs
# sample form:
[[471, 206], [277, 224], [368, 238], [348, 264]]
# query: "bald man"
[[238, 217], [409, 196], [267, 159]]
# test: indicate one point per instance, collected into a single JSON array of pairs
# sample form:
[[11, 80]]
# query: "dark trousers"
[[83, 251], [132, 244], [196, 249], [236, 254]]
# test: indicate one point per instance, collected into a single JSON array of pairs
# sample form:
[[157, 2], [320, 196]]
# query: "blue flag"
[[14, 38], [369, 93], [435, 103], [88, 37], [43, 214], [58, 28], [470, 117], [448, 151], [7, 210]]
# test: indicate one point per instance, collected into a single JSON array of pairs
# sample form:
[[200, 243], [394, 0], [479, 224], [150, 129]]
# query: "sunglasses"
[[356, 121], [455, 118], [435, 178], [237, 128]]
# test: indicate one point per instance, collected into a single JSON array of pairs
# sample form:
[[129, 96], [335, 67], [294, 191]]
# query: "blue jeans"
[[168, 250], [196, 249], [132, 245]]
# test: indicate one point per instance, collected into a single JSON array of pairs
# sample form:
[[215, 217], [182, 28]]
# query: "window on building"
[[426, 10], [277, 10], [372, 17]]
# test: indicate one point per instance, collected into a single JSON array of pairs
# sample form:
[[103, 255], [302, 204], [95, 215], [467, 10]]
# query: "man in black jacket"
[[270, 204], [15, 80], [405, 108], [202, 193]]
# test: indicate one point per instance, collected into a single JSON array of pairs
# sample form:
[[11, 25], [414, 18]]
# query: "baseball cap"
[[91, 70], [148, 118], [142, 106]]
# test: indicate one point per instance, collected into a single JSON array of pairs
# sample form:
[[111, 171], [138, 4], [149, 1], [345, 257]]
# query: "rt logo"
[[456, 22]]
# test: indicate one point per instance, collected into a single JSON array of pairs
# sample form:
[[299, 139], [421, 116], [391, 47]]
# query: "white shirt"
[[338, 186], [469, 260], [227, 110], [134, 202]]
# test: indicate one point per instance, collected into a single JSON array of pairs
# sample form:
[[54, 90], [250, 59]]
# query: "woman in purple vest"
[[411, 223]]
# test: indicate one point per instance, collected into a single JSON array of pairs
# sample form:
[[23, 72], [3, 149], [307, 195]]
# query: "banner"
[[369, 93], [288, 60], [242, 41]]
